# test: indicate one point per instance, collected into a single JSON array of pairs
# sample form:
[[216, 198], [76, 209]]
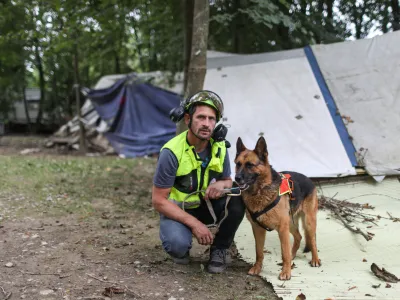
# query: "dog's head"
[[251, 164]]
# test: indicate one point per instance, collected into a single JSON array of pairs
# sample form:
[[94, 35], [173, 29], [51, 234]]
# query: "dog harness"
[[286, 187]]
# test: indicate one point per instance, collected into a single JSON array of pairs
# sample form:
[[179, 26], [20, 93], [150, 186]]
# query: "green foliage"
[[38, 39]]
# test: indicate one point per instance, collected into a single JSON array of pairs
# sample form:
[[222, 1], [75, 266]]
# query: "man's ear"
[[239, 146], [186, 118], [261, 149]]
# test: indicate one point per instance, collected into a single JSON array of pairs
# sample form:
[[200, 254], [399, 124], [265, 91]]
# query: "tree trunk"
[[385, 19], [187, 8], [82, 142], [139, 48], [117, 63], [28, 118], [396, 15], [198, 58], [42, 84], [329, 20], [239, 24]]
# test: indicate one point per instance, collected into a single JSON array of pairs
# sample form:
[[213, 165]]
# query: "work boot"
[[182, 260], [219, 258]]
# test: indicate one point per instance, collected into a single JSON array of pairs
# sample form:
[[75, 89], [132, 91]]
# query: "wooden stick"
[[357, 230], [99, 279]]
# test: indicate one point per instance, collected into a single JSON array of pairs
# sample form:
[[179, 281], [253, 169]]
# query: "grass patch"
[[72, 184]]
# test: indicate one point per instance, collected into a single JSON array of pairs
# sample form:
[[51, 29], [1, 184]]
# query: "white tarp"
[[277, 95], [364, 79], [346, 257]]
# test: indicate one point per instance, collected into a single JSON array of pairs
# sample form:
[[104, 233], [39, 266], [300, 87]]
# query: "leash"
[[231, 192]]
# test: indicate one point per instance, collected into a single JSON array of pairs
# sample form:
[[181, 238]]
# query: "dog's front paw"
[[285, 275], [315, 262], [255, 270]]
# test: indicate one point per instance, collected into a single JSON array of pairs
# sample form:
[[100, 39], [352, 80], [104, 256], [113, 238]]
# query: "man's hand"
[[214, 190], [202, 234]]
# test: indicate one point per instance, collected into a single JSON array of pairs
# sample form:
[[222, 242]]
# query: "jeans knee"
[[176, 246]]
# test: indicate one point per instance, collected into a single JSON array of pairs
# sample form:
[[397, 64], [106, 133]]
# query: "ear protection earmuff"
[[176, 114]]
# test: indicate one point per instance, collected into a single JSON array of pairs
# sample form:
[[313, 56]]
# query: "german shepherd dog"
[[268, 209]]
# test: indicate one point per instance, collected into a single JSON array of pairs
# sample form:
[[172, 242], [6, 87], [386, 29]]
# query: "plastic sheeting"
[[137, 116], [346, 257], [276, 95], [364, 79]]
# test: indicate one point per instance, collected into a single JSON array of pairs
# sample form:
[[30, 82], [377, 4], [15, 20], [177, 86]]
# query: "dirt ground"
[[83, 228]]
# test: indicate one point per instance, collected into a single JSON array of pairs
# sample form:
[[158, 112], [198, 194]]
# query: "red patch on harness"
[[286, 186]]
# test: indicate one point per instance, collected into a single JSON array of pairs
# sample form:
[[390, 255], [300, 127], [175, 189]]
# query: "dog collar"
[[286, 187]]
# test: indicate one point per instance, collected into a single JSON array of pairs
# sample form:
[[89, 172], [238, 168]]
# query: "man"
[[190, 162]]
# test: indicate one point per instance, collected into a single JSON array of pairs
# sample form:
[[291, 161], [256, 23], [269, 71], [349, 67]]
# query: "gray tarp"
[[364, 79]]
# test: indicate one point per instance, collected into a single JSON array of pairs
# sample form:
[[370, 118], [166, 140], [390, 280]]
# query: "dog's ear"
[[239, 146], [261, 149]]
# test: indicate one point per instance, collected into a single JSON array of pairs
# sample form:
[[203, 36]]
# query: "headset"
[[219, 133]]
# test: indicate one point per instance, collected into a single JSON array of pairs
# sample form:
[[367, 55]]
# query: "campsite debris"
[[6, 295], [383, 274], [110, 291], [301, 297], [348, 119], [375, 286], [392, 218], [388, 285], [69, 139], [352, 288], [30, 151], [364, 260], [349, 212]]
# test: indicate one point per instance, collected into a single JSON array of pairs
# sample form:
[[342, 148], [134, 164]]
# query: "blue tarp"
[[137, 114]]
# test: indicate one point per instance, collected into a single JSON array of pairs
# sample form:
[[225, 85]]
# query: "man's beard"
[[197, 134]]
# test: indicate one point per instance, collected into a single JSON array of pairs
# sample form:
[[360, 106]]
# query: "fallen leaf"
[[375, 286], [352, 288], [364, 260], [301, 297], [388, 285], [383, 274]]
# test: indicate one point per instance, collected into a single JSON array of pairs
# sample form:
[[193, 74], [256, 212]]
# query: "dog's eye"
[[239, 164], [249, 165]]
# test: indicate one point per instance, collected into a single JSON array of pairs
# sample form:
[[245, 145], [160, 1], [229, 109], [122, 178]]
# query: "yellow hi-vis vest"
[[191, 176]]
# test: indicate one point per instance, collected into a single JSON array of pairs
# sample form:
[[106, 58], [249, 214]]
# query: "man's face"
[[203, 121]]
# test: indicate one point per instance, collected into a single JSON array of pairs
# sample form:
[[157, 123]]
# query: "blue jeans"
[[176, 237]]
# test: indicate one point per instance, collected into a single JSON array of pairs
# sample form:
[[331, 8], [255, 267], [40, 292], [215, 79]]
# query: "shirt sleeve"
[[165, 173], [227, 166]]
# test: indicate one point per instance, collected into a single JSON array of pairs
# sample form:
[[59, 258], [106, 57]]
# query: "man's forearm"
[[174, 212]]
